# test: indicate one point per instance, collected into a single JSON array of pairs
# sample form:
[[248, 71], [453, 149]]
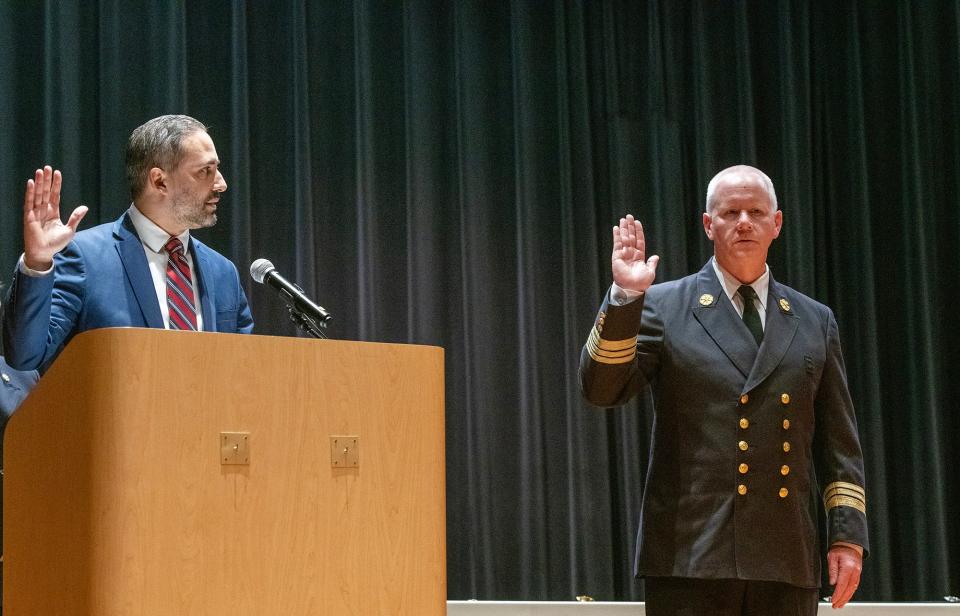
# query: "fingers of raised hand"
[[38, 197], [76, 217], [626, 232], [55, 189], [652, 262], [46, 184], [617, 240], [639, 242], [631, 235], [28, 194]]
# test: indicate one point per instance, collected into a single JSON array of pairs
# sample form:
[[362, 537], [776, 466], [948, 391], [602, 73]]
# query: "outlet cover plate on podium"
[[345, 451]]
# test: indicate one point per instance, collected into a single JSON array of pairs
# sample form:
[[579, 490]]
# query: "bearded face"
[[196, 184]]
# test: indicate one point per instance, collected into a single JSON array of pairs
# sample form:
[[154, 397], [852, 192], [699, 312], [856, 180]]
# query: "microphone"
[[264, 272]]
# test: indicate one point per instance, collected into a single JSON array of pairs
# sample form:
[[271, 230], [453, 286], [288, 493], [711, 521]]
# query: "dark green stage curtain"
[[447, 173]]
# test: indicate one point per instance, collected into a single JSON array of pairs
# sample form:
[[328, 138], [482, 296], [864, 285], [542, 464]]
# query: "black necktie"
[[750, 315]]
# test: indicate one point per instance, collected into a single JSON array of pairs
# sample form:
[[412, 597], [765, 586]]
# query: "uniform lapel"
[[718, 316], [138, 271], [781, 327], [201, 265]]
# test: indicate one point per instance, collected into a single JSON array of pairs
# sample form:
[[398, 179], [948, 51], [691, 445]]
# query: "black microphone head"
[[260, 268]]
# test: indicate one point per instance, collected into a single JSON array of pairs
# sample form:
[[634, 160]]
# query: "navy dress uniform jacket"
[[102, 279], [741, 435]]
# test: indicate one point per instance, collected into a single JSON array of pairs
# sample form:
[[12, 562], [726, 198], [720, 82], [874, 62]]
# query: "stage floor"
[[598, 608]]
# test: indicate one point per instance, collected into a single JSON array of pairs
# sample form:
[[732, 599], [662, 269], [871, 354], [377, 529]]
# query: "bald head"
[[744, 175]]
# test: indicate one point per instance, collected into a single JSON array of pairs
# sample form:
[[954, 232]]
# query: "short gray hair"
[[157, 143], [765, 181]]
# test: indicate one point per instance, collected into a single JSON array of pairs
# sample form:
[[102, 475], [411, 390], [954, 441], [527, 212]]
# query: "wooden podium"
[[163, 472]]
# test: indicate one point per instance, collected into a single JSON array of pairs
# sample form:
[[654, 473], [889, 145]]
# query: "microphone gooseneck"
[[307, 314]]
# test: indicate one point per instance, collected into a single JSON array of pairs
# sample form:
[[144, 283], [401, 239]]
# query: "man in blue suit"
[[143, 270], [751, 411]]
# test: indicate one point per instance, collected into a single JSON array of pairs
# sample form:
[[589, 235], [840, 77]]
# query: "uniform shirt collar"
[[151, 235], [731, 285]]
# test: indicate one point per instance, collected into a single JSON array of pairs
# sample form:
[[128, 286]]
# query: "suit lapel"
[[137, 271], [718, 316], [781, 327], [200, 265]]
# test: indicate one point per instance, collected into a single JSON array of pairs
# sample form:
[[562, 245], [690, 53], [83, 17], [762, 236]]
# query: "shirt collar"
[[152, 236], [731, 285]]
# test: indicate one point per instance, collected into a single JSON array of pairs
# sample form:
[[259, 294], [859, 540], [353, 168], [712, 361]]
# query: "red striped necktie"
[[183, 311]]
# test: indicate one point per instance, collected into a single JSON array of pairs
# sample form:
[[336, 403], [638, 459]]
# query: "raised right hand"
[[631, 269], [44, 235]]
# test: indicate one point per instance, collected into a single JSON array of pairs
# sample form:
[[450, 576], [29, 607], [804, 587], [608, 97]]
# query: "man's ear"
[[708, 225], [778, 221], [157, 180]]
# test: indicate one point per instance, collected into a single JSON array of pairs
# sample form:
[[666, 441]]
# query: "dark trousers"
[[674, 596]]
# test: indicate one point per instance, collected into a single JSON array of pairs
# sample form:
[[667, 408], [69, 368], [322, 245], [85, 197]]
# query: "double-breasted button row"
[[785, 469], [743, 468]]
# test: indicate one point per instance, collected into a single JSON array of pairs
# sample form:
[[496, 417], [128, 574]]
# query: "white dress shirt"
[[731, 285], [153, 239]]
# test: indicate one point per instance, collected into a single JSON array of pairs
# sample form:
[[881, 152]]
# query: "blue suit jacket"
[[101, 279]]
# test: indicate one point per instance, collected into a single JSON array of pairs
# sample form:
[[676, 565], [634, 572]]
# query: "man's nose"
[[219, 184], [743, 220]]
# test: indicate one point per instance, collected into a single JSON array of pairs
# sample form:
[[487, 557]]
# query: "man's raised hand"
[[631, 268], [44, 235]]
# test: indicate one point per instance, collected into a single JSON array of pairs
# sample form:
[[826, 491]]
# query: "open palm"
[[631, 268], [44, 234]]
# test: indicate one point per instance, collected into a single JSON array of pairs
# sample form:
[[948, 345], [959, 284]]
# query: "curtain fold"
[[448, 174]]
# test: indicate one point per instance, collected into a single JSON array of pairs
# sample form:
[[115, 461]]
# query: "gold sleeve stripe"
[[617, 355], [599, 352], [846, 501], [838, 485], [607, 360], [844, 494], [612, 345]]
